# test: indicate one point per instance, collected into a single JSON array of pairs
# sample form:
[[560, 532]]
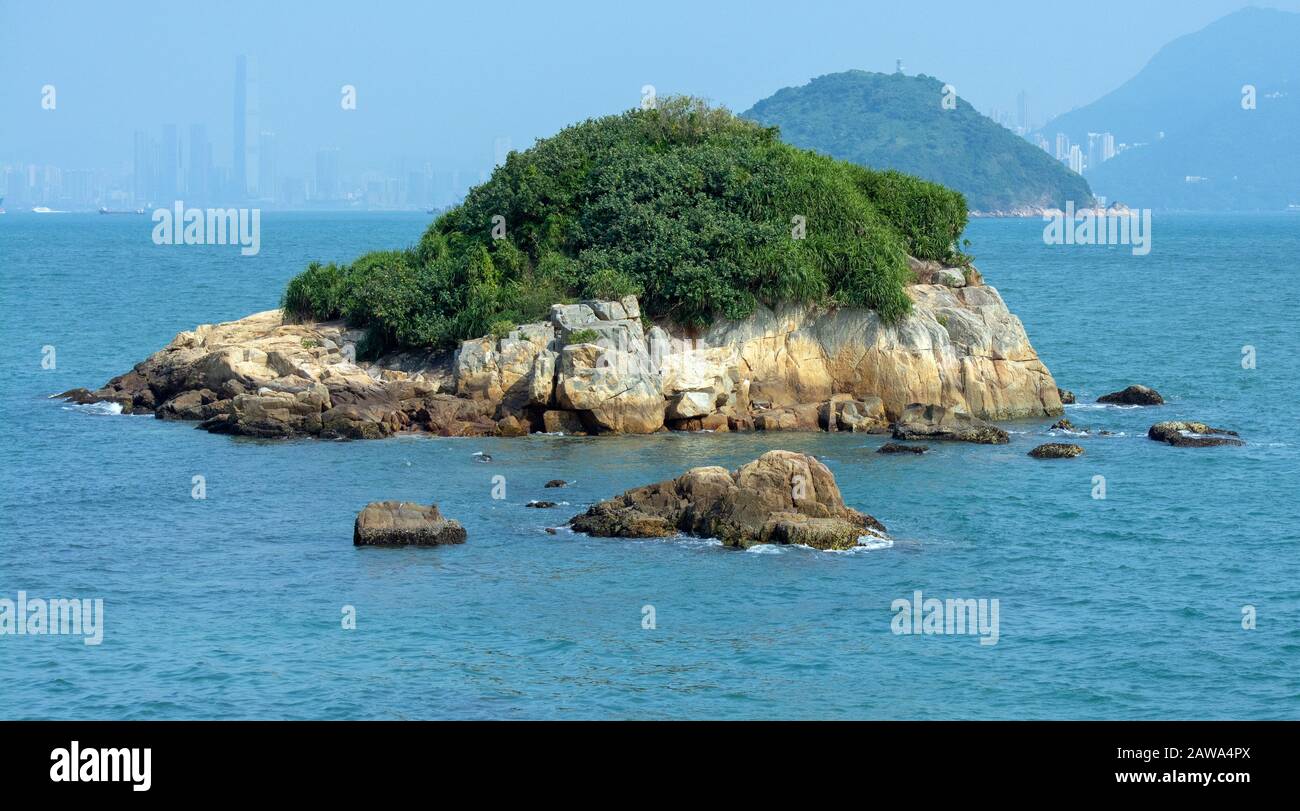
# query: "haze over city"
[[156, 84]]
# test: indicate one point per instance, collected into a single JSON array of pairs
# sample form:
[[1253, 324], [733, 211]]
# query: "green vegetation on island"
[[698, 212], [894, 121]]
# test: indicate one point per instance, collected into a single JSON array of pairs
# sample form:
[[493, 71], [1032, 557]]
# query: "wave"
[[100, 408]]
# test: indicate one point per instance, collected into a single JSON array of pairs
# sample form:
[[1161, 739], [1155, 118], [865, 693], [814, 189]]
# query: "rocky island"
[[700, 275]]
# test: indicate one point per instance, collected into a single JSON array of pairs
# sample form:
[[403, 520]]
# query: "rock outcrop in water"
[[402, 523], [1133, 395], [598, 367], [936, 422], [1056, 450], [780, 498], [1192, 435]]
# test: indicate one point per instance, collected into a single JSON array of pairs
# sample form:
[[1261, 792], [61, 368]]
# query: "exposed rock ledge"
[[779, 498], [594, 367]]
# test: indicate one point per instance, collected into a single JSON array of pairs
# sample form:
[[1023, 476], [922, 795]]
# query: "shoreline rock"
[[792, 367], [895, 447], [403, 523], [936, 422], [780, 498], [1192, 435], [1056, 450], [1133, 395]]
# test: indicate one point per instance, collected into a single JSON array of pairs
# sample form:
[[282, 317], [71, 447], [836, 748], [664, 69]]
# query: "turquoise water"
[[230, 607]]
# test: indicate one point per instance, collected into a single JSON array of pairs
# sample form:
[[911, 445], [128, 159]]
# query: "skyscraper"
[[246, 165], [199, 170], [169, 164], [1094, 150], [327, 174], [142, 171], [1062, 146], [1076, 159], [1022, 109], [266, 165]]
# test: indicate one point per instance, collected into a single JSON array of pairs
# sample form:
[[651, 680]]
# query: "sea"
[[1137, 581]]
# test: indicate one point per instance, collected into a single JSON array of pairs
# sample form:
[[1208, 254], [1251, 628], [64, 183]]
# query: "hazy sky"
[[441, 82]]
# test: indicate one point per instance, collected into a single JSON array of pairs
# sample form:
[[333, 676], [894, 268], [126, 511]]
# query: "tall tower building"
[[169, 164], [142, 174], [266, 165], [1062, 146], [327, 174], [199, 170], [245, 164]]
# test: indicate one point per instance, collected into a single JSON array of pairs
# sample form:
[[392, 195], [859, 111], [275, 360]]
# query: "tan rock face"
[[402, 523], [790, 368], [960, 347], [782, 497]]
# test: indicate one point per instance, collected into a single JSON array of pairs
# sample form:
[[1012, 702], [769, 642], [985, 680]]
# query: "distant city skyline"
[[150, 99], [170, 167]]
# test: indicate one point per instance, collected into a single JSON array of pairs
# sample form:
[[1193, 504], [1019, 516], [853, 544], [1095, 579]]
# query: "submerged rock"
[[896, 447], [1056, 450], [1063, 425], [936, 422], [403, 523], [1192, 435], [781, 498], [556, 483], [1133, 395], [540, 505]]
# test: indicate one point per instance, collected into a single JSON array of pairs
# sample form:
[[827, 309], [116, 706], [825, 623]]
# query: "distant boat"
[[2, 205], [1294, 208], [103, 210], [44, 210]]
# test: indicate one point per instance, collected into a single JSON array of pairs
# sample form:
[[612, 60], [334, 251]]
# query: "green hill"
[[688, 207], [893, 121]]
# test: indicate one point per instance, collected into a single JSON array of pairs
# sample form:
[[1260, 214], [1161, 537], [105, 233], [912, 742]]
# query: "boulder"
[[273, 413], [782, 497], [510, 425], [1063, 425], [202, 404], [619, 390], [403, 523], [556, 483], [1192, 435], [540, 505], [1067, 396], [937, 422], [1056, 450], [1133, 395], [862, 416], [562, 422], [895, 447]]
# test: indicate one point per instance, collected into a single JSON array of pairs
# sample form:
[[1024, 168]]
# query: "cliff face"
[[594, 367]]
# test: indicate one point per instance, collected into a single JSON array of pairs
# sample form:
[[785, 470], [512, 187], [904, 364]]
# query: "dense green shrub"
[[686, 206]]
